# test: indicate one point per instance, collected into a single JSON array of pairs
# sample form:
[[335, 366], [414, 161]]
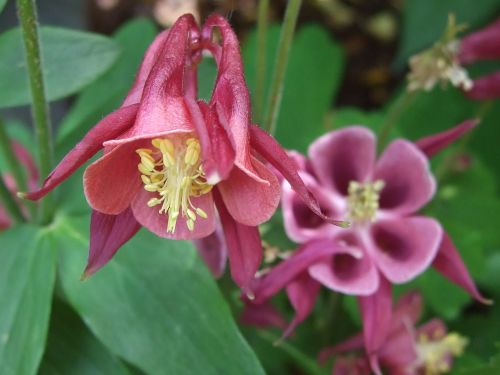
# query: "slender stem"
[[278, 80], [13, 165], [392, 118], [309, 366], [262, 22], [40, 110], [9, 203]]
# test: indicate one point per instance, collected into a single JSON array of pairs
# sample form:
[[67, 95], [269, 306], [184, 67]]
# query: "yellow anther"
[[190, 224], [363, 200], [201, 213], [153, 202], [151, 188], [434, 355], [142, 168], [148, 163], [191, 214], [145, 179], [142, 151]]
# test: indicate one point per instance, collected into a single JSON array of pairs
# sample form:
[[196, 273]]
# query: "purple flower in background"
[[387, 243], [428, 349]]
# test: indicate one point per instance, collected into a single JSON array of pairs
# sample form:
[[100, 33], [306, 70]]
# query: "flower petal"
[[376, 313], [108, 128], [213, 250], [409, 183], [5, 221], [107, 234], [485, 88], [450, 264], [408, 308], [150, 218], [405, 247], [301, 224], [483, 44], [264, 315], [271, 151], [27, 161], [342, 156], [248, 201], [302, 293], [244, 247], [433, 144], [350, 271]]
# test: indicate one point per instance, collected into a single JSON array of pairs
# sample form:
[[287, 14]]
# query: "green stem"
[[10, 204], [309, 366], [13, 165], [262, 22], [392, 118], [40, 110], [278, 79]]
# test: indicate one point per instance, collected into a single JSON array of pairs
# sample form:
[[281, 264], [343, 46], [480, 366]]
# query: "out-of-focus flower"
[[426, 350], [170, 160], [31, 172], [388, 243]]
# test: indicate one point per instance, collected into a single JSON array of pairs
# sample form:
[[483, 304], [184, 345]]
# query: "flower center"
[[363, 200], [435, 354], [173, 170]]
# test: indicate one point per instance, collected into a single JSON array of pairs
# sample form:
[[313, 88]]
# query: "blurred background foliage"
[[155, 308]]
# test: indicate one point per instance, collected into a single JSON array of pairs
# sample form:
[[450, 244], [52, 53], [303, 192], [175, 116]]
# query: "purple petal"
[[262, 316], [107, 234], [433, 144], [450, 264], [409, 307], [409, 183], [244, 247], [347, 272], [213, 251], [342, 156], [271, 150], [302, 293], [483, 44], [485, 88], [405, 247], [350, 344], [376, 313]]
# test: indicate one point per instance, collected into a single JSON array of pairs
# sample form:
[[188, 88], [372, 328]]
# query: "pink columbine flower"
[[170, 160], [31, 170], [387, 243], [428, 349]]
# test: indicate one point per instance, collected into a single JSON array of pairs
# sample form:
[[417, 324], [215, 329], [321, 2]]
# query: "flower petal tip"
[[21, 195], [341, 223], [87, 273], [214, 178]]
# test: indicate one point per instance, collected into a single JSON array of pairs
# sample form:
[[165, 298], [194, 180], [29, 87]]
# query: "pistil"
[[363, 200]]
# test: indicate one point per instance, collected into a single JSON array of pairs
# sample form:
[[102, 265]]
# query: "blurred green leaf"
[[425, 20], [72, 349], [155, 305], [2, 4], [27, 274], [72, 59], [106, 94], [312, 79]]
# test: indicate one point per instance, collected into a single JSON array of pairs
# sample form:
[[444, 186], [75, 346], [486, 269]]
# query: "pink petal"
[[342, 156], [352, 366], [302, 224], [408, 308], [376, 313], [271, 151], [150, 218], [27, 161], [433, 144], [302, 293], [450, 264], [217, 150], [409, 183], [350, 344], [289, 269], [111, 182], [213, 251], [262, 316], [107, 234], [350, 272], [485, 88], [432, 327], [244, 247], [108, 128], [5, 221], [251, 202], [403, 248], [483, 44]]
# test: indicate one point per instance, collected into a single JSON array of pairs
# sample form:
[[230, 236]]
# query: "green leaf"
[[27, 274], [155, 305], [106, 94], [2, 4], [72, 59], [72, 349], [312, 80], [425, 20]]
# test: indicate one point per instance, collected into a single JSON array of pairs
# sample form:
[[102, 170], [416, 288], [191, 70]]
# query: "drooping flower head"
[[171, 161], [425, 350]]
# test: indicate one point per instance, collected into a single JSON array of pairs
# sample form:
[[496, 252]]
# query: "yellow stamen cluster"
[[363, 200], [173, 170], [435, 353]]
